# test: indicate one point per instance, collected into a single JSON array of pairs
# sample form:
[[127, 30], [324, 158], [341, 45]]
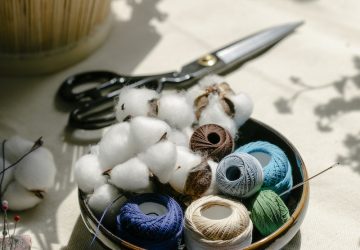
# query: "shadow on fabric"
[[332, 110]]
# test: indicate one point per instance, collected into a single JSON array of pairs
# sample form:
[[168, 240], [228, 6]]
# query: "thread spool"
[[239, 175], [213, 222], [275, 164], [213, 140], [268, 212], [46, 35], [151, 221]]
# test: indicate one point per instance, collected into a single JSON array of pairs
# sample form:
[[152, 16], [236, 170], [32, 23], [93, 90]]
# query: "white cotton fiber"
[[178, 137], [100, 200], [94, 149], [215, 114], [188, 131], [15, 147], [210, 80], [146, 131], [243, 108], [37, 170], [8, 174], [116, 146], [175, 110], [132, 175], [19, 198], [213, 187], [192, 93], [134, 102], [88, 173], [160, 159], [181, 137], [185, 161]]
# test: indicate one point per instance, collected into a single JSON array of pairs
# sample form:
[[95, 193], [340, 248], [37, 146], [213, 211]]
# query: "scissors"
[[94, 106]]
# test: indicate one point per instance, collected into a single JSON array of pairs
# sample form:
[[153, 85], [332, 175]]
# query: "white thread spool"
[[213, 222], [44, 36]]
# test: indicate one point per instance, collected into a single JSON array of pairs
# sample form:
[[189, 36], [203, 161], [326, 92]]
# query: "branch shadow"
[[332, 110]]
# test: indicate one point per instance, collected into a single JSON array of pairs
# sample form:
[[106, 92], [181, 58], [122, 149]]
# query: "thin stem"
[[2, 175], [38, 143], [13, 236]]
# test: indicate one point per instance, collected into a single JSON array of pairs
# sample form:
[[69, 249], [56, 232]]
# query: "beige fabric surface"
[[307, 87]]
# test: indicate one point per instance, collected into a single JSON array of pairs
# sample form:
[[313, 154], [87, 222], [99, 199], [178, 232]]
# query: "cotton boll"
[[37, 170], [134, 102], [174, 109], [178, 137], [88, 173], [102, 198], [8, 174], [210, 80], [181, 137], [185, 161], [243, 108], [214, 114], [192, 93], [146, 131], [19, 198], [161, 159], [132, 175], [188, 131], [15, 147], [95, 149], [116, 146], [213, 187]]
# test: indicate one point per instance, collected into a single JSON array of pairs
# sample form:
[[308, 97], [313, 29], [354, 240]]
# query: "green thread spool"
[[268, 212]]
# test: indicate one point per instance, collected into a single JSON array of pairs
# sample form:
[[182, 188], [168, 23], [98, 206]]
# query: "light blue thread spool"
[[276, 166], [239, 175]]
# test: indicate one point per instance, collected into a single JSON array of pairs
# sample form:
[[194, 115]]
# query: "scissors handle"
[[99, 111], [80, 87]]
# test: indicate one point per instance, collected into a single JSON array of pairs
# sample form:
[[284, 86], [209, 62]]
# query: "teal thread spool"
[[268, 212]]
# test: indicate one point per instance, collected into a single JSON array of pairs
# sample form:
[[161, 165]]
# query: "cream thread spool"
[[213, 222], [44, 36]]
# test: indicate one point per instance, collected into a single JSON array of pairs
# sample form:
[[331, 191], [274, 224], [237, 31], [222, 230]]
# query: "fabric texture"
[[307, 87]]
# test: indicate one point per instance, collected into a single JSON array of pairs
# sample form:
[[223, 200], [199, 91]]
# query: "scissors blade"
[[250, 46], [237, 53]]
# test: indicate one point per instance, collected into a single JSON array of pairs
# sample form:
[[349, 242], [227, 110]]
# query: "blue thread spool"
[[239, 174], [276, 166], [151, 221]]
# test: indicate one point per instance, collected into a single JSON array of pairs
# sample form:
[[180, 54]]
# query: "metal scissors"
[[95, 106]]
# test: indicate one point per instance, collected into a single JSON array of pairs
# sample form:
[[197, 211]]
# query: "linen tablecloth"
[[307, 87]]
